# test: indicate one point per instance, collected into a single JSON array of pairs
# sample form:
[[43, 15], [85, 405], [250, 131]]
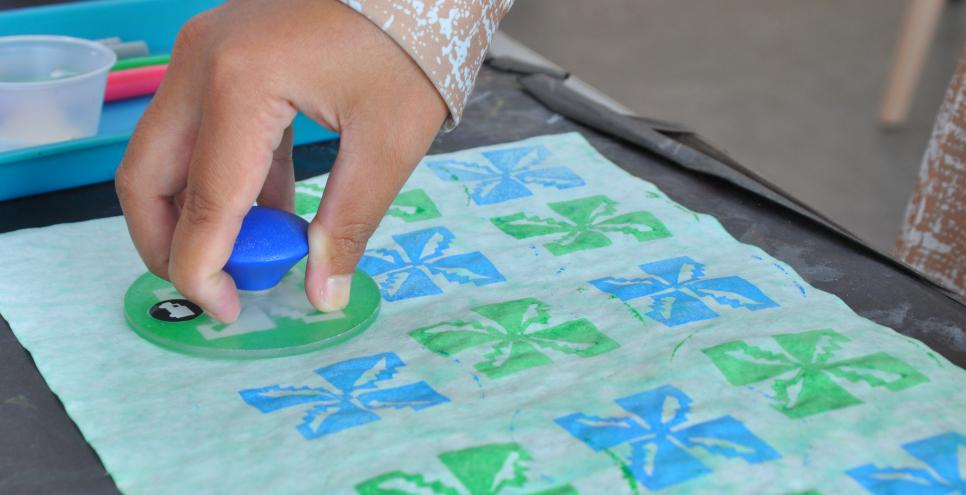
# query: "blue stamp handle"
[[268, 245]]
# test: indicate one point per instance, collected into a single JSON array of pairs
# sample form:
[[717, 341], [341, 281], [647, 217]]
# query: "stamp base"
[[274, 323]]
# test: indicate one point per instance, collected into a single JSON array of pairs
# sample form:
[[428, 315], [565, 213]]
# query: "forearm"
[[447, 38]]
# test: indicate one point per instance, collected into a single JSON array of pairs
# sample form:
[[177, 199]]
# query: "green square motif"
[[518, 334], [804, 374], [484, 470], [587, 223]]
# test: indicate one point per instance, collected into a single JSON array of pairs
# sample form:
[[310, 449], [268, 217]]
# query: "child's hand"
[[217, 137]]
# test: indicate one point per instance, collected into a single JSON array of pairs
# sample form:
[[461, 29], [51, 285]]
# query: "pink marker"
[[131, 83]]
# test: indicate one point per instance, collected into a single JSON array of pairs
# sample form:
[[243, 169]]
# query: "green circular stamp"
[[273, 323]]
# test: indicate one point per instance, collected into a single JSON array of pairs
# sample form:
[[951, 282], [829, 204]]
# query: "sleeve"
[[933, 237], [448, 39]]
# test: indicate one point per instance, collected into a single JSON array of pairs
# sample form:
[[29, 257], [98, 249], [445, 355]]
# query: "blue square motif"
[[507, 174], [660, 440], [943, 469], [678, 290], [355, 390], [421, 260]]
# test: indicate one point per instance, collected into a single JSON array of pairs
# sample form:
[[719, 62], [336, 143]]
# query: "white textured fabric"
[[549, 322]]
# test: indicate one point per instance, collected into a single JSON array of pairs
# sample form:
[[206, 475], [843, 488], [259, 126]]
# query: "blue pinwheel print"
[[422, 259], [678, 289], [507, 174], [656, 443], [355, 390], [944, 471]]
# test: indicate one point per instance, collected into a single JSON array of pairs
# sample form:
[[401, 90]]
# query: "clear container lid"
[[35, 61]]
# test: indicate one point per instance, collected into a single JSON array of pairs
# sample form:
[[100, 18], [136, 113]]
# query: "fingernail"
[[335, 293], [318, 244]]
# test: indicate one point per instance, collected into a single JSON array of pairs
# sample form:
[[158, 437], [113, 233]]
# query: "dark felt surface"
[[43, 452]]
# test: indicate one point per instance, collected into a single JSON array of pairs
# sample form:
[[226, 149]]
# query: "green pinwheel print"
[[484, 470], [514, 336], [409, 206], [586, 225], [804, 374]]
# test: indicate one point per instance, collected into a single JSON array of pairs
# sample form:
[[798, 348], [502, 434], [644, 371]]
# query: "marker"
[[129, 49], [113, 40], [133, 63], [131, 83]]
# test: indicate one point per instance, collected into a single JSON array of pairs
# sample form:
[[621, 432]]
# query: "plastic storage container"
[[51, 89], [77, 162]]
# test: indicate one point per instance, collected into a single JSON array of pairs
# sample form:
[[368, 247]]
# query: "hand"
[[217, 137]]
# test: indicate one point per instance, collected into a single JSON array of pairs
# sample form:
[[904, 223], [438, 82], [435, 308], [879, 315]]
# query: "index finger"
[[231, 159], [155, 164]]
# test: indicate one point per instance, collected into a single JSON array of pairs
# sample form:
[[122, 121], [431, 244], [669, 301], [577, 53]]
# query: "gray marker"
[[109, 41], [129, 49]]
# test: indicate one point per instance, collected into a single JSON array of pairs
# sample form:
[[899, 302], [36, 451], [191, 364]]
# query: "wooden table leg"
[[918, 29]]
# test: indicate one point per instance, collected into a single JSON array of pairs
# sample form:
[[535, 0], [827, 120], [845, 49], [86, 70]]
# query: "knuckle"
[[191, 32], [125, 183], [129, 184], [350, 240], [186, 281], [229, 64], [200, 210]]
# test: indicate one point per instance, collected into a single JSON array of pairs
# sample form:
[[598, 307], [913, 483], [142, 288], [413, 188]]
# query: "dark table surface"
[[43, 452]]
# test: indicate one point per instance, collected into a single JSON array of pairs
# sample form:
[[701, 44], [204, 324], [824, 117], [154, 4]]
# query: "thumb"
[[364, 181]]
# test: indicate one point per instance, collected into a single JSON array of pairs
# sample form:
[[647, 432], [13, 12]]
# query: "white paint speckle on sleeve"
[[933, 238], [447, 39]]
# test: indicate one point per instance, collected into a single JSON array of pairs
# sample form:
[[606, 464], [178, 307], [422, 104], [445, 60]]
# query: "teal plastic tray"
[[79, 162]]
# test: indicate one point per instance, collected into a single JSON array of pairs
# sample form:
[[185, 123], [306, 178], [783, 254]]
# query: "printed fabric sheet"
[[550, 324]]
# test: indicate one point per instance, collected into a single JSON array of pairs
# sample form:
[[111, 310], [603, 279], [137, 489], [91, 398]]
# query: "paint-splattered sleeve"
[[933, 238], [447, 38]]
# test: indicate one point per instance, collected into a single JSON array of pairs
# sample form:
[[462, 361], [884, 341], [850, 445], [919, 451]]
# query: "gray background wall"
[[790, 88]]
